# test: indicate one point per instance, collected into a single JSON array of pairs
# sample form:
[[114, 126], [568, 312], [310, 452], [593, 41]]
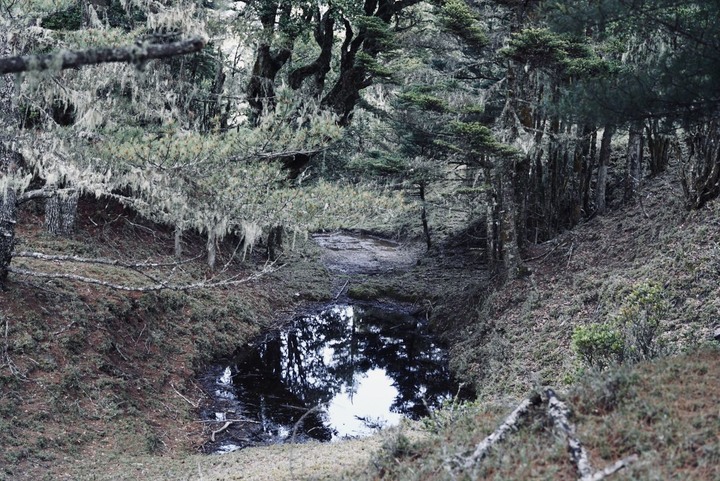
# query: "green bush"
[[599, 345], [640, 318], [633, 335]]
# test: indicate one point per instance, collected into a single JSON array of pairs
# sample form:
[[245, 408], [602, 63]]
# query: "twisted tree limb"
[[137, 53], [559, 412]]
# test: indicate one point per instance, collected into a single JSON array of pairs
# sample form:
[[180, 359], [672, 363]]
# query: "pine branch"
[[72, 59]]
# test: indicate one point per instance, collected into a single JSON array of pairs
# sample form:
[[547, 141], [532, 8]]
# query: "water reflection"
[[359, 368]]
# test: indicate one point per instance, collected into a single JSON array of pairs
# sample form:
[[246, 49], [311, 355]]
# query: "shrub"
[[640, 317], [633, 335], [598, 345]]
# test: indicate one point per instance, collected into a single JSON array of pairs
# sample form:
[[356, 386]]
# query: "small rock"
[[716, 335]]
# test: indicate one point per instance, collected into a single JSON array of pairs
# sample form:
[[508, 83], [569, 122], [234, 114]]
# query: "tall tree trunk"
[[633, 170], [589, 140], [9, 164], [211, 249], [61, 214], [659, 148], [178, 242], [603, 161], [261, 88], [8, 218], [275, 242], [423, 216], [491, 221], [512, 263]]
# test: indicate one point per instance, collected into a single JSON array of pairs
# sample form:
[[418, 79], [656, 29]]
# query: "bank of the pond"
[[101, 379], [343, 371], [281, 462]]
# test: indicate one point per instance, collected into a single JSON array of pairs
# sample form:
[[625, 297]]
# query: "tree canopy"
[[239, 118]]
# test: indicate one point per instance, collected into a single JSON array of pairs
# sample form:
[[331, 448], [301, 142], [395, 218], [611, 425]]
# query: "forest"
[[344, 112], [172, 158]]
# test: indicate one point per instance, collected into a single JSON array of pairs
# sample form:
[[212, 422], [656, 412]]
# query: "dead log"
[[558, 412], [511, 423]]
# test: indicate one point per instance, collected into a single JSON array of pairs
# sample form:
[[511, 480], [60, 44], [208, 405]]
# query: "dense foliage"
[[501, 113]]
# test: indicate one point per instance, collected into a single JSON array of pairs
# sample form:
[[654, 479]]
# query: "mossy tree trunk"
[[659, 144], [633, 168], [9, 164], [603, 161], [61, 213], [275, 242], [423, 215]]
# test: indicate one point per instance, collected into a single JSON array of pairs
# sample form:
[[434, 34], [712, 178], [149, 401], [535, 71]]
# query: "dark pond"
[[344, 372]]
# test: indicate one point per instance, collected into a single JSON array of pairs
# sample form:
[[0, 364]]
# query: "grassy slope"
[[518, 338], [93, 373], [101, 379]]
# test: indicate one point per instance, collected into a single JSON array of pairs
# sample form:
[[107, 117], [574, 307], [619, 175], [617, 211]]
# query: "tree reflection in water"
[[366, 367]]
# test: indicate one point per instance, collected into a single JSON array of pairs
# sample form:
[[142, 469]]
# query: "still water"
[[344, 372]]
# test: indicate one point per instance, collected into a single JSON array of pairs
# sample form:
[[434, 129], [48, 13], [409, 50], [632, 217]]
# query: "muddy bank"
[[346, 253]]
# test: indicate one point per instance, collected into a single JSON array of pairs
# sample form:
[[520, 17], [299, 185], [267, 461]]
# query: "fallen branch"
[[510, 424], [341, 290], [241, 420], [218, 431], [137, 53], [100, 260], [543, 256], [559, 412], [195, 405], [602, 474], [161, 286]]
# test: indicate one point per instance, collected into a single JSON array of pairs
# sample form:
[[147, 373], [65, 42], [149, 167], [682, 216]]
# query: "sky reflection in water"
[[361, 368]]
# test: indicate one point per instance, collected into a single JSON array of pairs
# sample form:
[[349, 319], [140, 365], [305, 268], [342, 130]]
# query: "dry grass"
[[95, 389], [97, 371], [665, 411]]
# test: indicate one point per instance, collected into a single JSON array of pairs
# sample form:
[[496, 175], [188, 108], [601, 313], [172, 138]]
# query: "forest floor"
[[98, 384]]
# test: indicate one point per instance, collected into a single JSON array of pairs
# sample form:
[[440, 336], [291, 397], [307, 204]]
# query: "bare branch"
[[205, 284], [42, 193], [72, 59], [100, 260], [617, 466], [510, 424], [558, 412]]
